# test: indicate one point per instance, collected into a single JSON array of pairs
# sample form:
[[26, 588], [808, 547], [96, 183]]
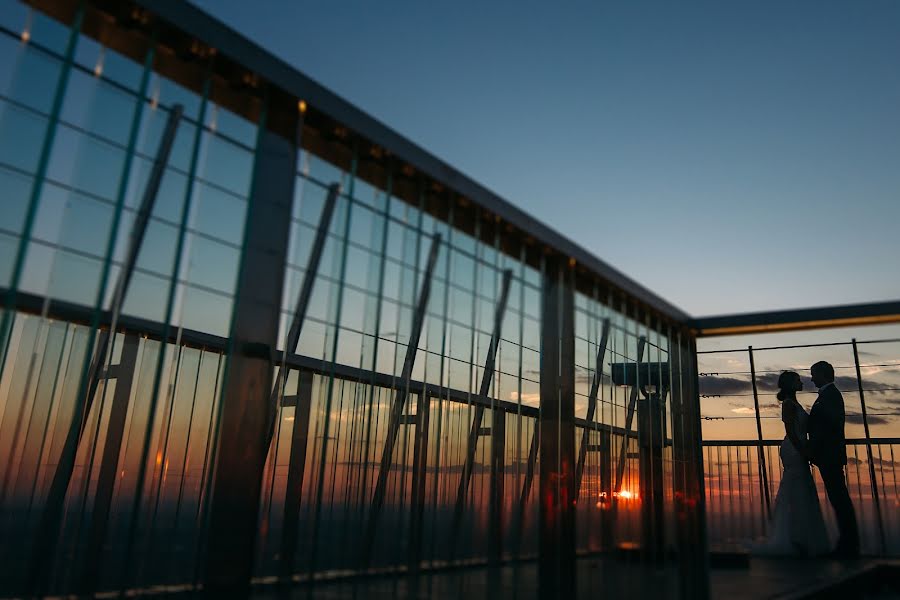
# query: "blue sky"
[[730, 156]]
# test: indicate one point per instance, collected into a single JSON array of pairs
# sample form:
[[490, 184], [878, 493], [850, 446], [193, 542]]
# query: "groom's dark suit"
[[827, 449]]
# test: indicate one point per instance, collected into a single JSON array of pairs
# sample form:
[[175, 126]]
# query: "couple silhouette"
[[817, 438]]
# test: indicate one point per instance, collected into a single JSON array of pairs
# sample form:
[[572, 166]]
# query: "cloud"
[[763, 409], [883, 416], [849, 384], [890, 402], [714, 385], [721, 385], [856, 419], [514, 396], [767, 383]]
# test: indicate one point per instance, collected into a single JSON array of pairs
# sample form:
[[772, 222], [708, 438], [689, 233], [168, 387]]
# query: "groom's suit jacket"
[[826, 429]]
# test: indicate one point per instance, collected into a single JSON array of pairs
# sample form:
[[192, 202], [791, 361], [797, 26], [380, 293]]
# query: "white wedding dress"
[[797, 527]]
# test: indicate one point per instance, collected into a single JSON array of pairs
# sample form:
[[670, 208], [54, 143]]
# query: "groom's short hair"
[[823, 368]]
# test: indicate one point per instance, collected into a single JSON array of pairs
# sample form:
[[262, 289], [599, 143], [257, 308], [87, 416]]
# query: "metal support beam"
[[761, 455], [135, 242], [592, 405], [48, 528], [687, 470], [299, 315], [873, 482], [296, 465], [629, 417], [498, 477], [124, 374], [651, 439], [876, 313], [476, 430], [606, 489], [247, 386], [400, 401], [526, 485], [556, 558], [420, 463]]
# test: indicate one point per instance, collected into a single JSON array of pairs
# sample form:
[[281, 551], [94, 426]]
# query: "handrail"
[[753, 443], [78, 314]]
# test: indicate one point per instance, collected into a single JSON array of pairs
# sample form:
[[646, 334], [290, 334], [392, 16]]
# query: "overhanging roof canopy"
[[878, 313]]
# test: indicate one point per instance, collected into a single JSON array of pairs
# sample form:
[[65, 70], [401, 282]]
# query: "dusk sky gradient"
[[730, 156]]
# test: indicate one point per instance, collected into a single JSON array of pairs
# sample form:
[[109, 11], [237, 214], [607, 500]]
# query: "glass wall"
[[403, 378]]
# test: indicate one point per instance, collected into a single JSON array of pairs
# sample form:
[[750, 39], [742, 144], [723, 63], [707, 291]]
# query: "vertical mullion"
[[329, 392], [379, 300], [245, 398], [556, 563], [443, 383], [294, 485]]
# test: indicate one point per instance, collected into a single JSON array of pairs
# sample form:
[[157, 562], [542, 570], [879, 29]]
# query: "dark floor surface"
[[598, 577]]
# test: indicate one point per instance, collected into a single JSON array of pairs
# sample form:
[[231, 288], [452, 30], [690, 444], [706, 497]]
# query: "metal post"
[[247, 387], [420, 464], [556, 558], [874, 483], [592, 405], [629, 418], [498, 476], [296, 465], [399, 402], [606, 489], [650, 445], [688, 471], [763, 469], [109, 465], [483, 392], [526, 484]]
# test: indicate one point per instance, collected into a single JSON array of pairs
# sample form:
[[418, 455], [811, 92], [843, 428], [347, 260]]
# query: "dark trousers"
[[839, 497]]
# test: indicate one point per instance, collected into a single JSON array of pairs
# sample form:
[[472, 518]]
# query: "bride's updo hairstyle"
[[786, 384]]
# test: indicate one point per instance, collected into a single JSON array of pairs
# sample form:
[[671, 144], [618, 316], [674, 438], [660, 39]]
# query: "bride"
[[797, 527]]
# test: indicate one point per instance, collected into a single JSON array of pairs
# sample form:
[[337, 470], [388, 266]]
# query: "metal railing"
[[736, 512]]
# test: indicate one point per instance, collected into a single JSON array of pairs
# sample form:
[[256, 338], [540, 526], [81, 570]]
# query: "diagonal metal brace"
[[400, 400], [592, 405], [138, 231], [303, 298], [483, 392]]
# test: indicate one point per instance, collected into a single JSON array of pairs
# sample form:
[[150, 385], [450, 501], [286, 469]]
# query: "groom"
[[827, 450]]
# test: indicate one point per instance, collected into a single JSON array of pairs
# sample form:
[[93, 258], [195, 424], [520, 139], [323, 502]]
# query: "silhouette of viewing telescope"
[[651, 377]]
